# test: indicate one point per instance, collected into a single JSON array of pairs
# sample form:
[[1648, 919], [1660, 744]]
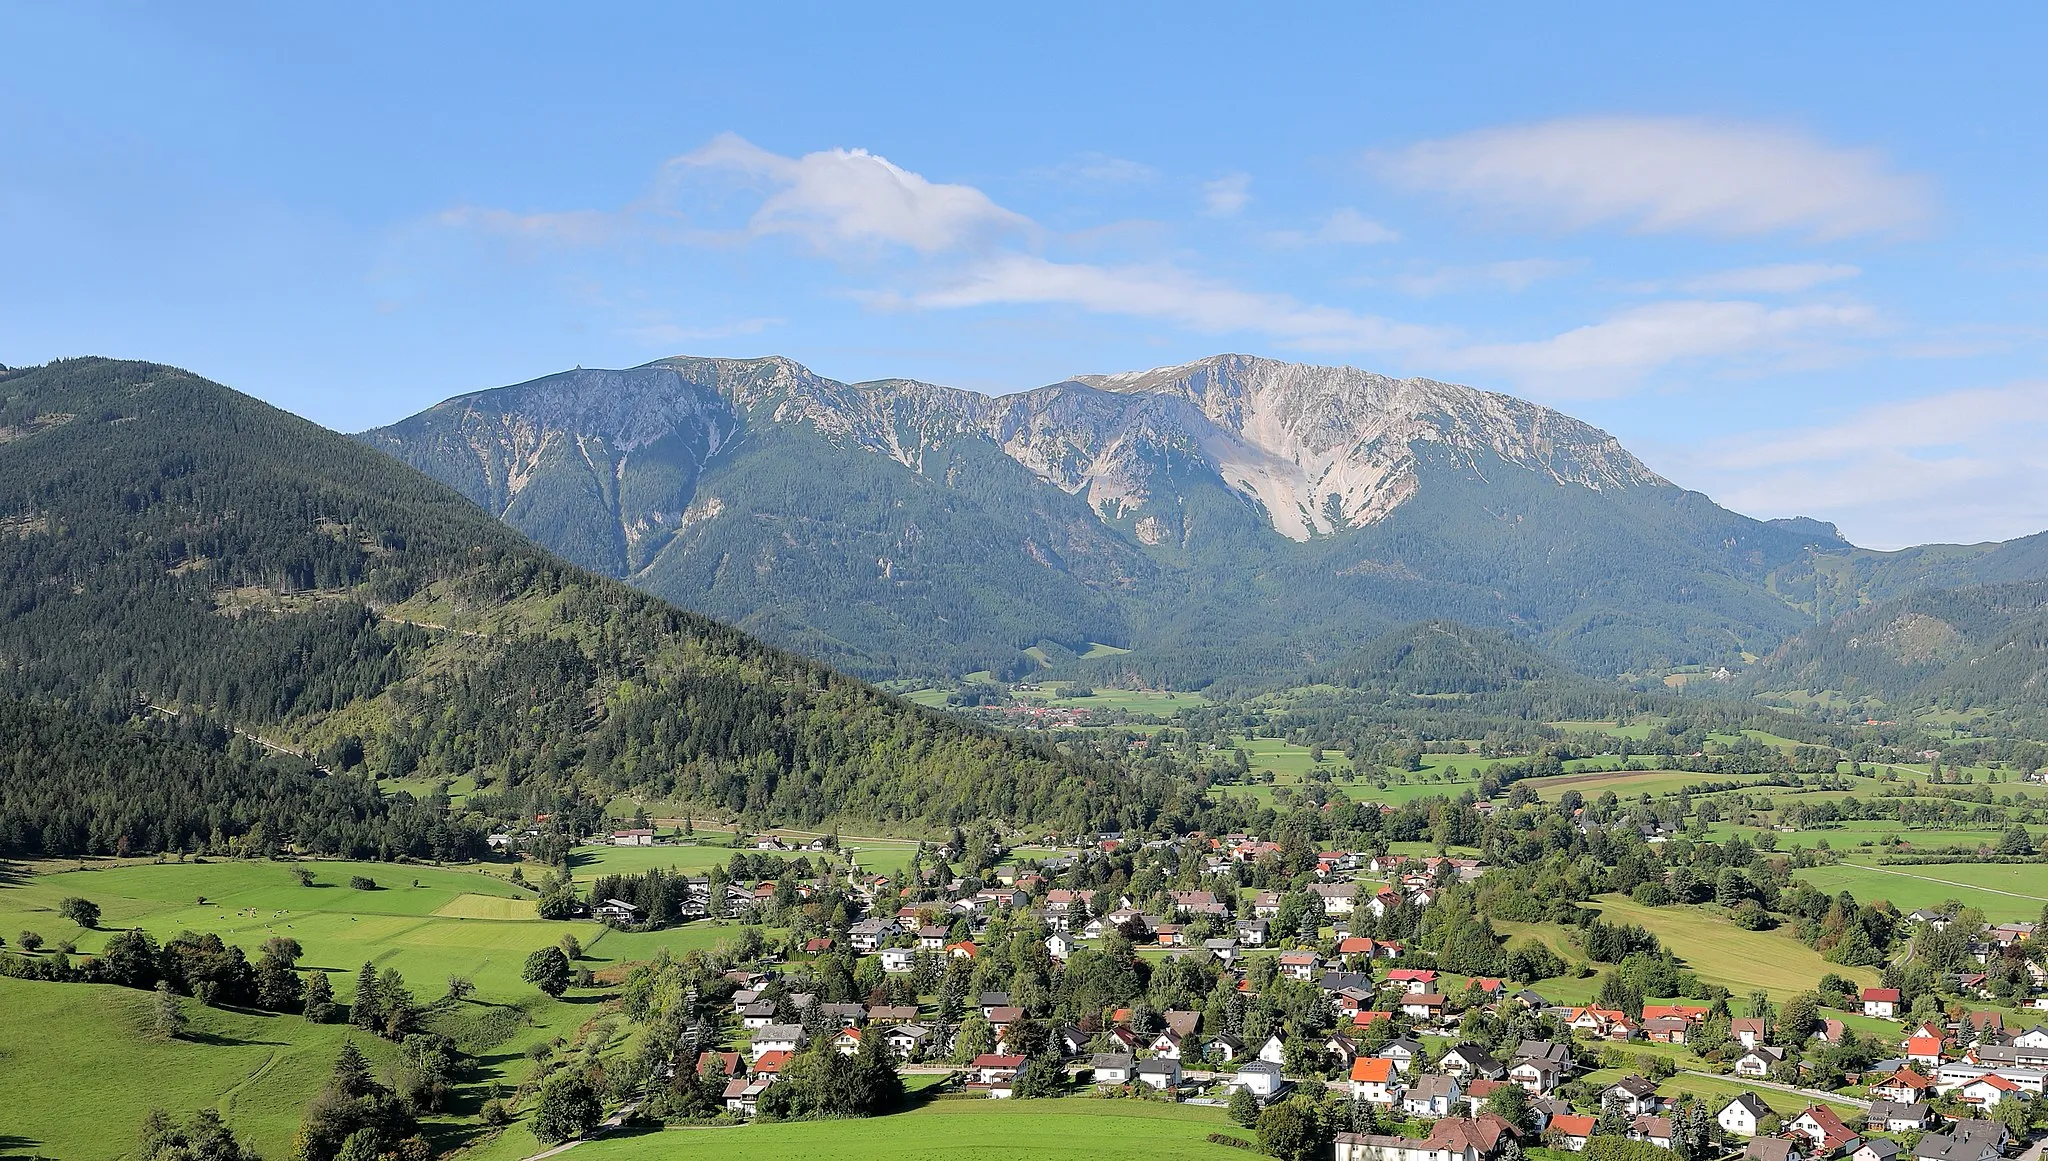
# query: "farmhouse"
[[1739, 1117]]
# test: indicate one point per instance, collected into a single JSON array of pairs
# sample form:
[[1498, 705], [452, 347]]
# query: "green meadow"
[[1066, 1129], [1721, 953], [2001, 891], [67, 1042]]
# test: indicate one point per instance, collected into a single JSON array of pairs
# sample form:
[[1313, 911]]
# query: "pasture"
[[67, 1041], [1722, 953], [1067, 1129], [2001, 891]]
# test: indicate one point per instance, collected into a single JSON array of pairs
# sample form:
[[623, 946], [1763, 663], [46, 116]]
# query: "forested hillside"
[[171, 542], [1977, 648]]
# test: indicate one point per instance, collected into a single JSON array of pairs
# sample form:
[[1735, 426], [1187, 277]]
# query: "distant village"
[[1399, 1032]]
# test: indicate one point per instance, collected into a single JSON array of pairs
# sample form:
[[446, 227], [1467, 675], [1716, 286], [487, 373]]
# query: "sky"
[[1792, 256]]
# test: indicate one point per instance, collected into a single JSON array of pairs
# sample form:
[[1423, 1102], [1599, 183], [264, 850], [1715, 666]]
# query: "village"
[[1435, 1065]]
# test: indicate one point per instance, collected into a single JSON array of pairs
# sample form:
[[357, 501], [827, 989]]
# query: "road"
[[610, 1123]]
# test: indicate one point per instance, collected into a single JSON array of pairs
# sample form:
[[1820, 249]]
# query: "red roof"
[[1365, 1019], [1372, 1070], [1573, 1124], [1423, 974], [1881, 995], [991, 1060], [773, 1061]]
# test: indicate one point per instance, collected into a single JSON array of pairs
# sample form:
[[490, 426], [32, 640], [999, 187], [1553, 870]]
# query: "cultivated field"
[[1722, 953]]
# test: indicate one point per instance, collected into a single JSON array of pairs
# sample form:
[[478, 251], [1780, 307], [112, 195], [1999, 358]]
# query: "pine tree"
[[364, 1011], [319, 998]]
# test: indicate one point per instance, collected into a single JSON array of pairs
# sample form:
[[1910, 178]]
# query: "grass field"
[[1722, 953], [1069, 1129], [72, 1053], [2002, 891]]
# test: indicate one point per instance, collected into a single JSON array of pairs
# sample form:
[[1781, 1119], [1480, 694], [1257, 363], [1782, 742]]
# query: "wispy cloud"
[[1344, 227], [1227, 195], [1609, 356], [1514, 275], [1781, 278], [1092, 168], [1662, 174], [1956, 465], [661, 332], [1172, 295]]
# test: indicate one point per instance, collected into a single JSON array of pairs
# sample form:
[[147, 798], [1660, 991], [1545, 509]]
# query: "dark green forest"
[[170, 542]]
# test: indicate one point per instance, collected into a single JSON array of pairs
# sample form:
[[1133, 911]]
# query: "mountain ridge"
[[897, 528]]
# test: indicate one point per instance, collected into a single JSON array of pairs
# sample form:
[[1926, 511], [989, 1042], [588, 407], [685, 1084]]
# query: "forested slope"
[[166, 540]]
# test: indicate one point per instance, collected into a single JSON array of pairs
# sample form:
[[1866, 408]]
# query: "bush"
[[362, 883]]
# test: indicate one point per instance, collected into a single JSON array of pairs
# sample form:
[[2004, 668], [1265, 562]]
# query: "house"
[[1300, 965], [1224, 950], [847, 1042], [1739, 1117], [1904, 1086], [757, 1015], [1572, 1130], [897, 961], [1431, 1096], [1758, 1061], [1166, 1045], [1749, 1030], [1477, 1138], [1260, 1078], [1162, 1075], [868, 934], [907, 1041], [1539, 1077], [1413, 980], [778, 1038], [1876, 1149], [1633, 1095], [1273, 1051], [770, 1063], [1406, 1054], [639, 837], [1469, 1062], [1182, 1024], [1771, 1149], [1987, 1091], [1970, 1139], [1373, 1079], [1338, 898], [1651, 1131], [1894, 1117], [1883, 1003], [1113, 1068], [1223, 1047], [931, 938], [1253, 932], [993, 1072], [1824, 1131], [616, 911], [962, 950], [1059, 945], [1666, 1029], [1428, 1006], [742, 1095], [988, 1002], [1926, 1049]]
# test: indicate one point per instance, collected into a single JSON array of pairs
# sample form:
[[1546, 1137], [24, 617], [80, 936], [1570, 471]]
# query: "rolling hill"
[[172, 543]]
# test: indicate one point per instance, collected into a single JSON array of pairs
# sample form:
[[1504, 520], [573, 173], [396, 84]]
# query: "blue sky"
[[1794, 259]]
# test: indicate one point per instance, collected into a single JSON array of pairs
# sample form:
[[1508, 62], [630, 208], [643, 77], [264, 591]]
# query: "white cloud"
[[1227, 195], [1962, 465], [836, 198], [1173, 296], [1604, 357], [1660, 174], [1514, 275], [1782, 278], [1344, 227], [656, 332]]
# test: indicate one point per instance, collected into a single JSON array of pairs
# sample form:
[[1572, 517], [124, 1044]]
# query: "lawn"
[[1070, 1129], [2002, 891], [1722, 953], [1625, 783], [66, 1042]]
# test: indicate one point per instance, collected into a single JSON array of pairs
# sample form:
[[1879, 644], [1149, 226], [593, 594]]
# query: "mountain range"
[[1234, 517]]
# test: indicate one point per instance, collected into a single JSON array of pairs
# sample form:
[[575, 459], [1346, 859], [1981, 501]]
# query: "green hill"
[[165, 540]]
